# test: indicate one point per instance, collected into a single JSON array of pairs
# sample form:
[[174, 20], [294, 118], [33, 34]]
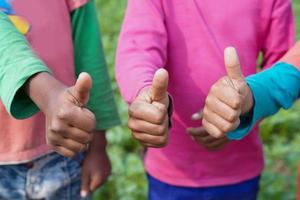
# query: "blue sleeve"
[[275, 88]]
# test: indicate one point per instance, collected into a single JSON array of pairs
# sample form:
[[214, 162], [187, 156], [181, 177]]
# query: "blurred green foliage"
[[280, 133]]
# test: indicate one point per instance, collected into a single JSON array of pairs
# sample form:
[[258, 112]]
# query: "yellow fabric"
[[20, 23]]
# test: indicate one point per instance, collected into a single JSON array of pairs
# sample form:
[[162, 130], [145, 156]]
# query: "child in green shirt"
[[71, 121]]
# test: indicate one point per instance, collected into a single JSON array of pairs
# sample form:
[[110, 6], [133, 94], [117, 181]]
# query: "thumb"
[[96, 181], [85, 184], [232, 64], [159, 85], [82, 88]]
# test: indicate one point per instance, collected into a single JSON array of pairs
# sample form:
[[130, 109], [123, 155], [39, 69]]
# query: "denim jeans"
[[246, 190], [51, 177]]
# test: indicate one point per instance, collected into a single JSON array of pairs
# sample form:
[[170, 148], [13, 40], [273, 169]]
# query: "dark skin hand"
[[148, 113], [228, 99], [69, 126], [200, 136], [96, 167]]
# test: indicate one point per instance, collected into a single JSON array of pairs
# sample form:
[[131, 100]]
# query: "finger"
[[142, 126], [292, 56], [96, 182], [62, 130], [78, 135], [198, 131], [219, 122], [231, 97], [201, 136], [85, 183], [148, 112], [232, 64], [64, 151], [159, 85], [217, 144], [223, 110], [211, 129], [197, 116], [148, 145], [206, 140], [81, 90], [151, 140], [80, 118], [71, 145]]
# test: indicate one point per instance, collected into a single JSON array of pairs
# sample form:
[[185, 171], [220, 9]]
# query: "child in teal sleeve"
[[268, 91], [272, 89]]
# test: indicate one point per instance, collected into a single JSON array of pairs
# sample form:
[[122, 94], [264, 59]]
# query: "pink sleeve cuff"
[[74, 4]]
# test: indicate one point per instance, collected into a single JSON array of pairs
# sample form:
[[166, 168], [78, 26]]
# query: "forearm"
[[99, 143], [292, 57], [17, 64], [142, 47], [275, 88], [41, 87]]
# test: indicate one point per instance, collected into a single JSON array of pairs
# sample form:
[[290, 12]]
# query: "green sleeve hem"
[[20, 105], [17, 64]]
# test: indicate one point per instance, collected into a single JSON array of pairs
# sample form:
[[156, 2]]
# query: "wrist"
[[248, 102], [99, 143], [43, 88]]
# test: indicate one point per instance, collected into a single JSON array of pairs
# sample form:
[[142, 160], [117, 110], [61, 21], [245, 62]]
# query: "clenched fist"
[[148, 114], [228, 99], [69, 125]]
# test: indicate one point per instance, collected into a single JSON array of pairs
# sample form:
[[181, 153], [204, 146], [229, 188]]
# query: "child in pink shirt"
[[187, 38]]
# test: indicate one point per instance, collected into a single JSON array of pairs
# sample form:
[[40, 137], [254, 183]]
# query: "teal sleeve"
[[17, 64], [275, 88], [89, 57]]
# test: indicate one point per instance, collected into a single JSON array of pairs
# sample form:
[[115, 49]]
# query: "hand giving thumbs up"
[[148, 114], [228, 98]]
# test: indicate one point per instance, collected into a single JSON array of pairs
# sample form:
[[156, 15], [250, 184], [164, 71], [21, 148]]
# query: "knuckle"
[[236, 103], [226, 127], [238, 121], [89, 138], [205, 112], [208, 100], [232, 116], [136, 136], [133, 109], [163, 109], [62, 113], [51, 139], [68, 154], [130, 123], [215, 87], [160, 117], [161, 130], [218, 134], [64, 153], [93, 122], [55, 126], [163, 141], [79, 148]]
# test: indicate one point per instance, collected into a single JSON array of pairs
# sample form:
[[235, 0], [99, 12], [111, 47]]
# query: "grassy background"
[[128, 180]]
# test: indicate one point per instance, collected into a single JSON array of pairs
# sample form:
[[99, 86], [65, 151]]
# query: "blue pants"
[[243, 191], [51, 177]]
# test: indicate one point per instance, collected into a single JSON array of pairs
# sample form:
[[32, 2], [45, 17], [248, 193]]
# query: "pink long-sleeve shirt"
[[187, 37]]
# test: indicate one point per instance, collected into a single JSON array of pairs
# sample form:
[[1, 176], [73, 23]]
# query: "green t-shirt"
[[17, 67]]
